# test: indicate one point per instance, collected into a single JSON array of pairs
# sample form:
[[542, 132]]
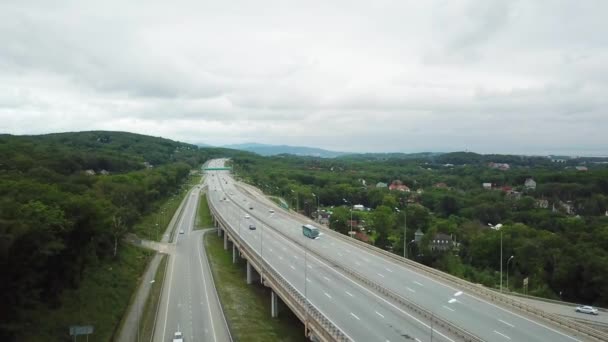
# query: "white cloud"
[[488, 76]]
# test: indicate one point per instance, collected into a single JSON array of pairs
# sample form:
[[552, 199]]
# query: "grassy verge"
[[101, 299], [204, 215], [247, 307], [152, 302], [153, 225]]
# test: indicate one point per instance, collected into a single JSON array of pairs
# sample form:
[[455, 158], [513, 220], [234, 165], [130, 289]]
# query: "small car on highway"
[[247, 216], [271, 211], [587, 309], [252, 227], [181, 231], [178, 337]]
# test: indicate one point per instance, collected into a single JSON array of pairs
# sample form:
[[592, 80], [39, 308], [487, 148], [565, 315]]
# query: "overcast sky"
[[374, 76]]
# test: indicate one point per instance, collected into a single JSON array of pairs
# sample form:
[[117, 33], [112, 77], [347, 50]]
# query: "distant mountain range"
[[271, 150]]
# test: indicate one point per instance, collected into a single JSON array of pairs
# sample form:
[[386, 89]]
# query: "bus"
[[310, 231]]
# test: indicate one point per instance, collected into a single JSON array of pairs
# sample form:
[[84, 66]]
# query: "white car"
[[181, 231], [178, 337], [247, 216], [587, 309], [271, 211]]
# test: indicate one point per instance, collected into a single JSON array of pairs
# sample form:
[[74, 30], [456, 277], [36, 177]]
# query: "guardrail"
[[579, 328], [445, 324], [306, 311], [479, 289]]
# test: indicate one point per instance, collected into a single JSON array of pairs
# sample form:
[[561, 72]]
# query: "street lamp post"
[[318, 205], [508, 261], [404, 232], [297, 201], [498, 228], [351, 233]]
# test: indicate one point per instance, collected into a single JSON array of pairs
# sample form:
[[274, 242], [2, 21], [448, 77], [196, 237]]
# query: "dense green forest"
[[67, 199], [557, 231]]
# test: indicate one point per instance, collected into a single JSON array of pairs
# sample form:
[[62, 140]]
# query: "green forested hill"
[[56, 219]]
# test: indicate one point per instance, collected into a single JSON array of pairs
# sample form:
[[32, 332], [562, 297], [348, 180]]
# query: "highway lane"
[[486, 320], [189, 300], [360, 313]]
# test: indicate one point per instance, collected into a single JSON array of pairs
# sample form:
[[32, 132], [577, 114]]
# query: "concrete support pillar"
[[252, 274], [225, 241], [249, 273], [274, 304], [233, 253], [219, 231]]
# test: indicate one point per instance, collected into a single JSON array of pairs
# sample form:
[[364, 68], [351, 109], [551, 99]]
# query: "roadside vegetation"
[[100, 300], [556, 230], [146, 324], [247, 307], [204, 219], [66, 202]]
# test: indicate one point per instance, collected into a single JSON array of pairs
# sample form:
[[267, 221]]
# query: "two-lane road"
[[189, 300]]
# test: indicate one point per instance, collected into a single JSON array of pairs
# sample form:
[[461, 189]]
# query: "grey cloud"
[[395, 75]]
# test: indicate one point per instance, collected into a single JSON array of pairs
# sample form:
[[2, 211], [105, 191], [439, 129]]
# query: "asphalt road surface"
[[356, 310], [189, 300]]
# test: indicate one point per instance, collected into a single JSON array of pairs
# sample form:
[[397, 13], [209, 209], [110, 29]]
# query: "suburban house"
[[441, 185], [89, 172], [487, 186], [442, 242], [104, 172], [399, 186], [499, 166], [381, 185], [542, 203], [581, 168], [358, 207], [530, 184]]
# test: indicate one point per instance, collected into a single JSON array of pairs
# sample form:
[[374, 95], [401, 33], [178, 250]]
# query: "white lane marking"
[[503, 335], [417, 340], [507, 323], [449, 308], [407, 269], [411, 290], [457, 293], [200, 257], [293, 268], [327, 294], [310, 267], [270, 249], [348, 293], [169, 294], [452, 300], [280, 257], [326, 278], [380, 275], [296, 257], [358, 263], [308, 280], [361, 287], [379, 314], [389, 270], [333, 244], [419, 284], [352, 314], [340, 254]]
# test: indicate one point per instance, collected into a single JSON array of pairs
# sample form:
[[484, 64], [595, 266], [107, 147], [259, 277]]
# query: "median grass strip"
[[247, 307], [146, 324], [101, 299], [203, 219]]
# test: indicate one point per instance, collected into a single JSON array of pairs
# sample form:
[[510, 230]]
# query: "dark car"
[[252, 226]]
